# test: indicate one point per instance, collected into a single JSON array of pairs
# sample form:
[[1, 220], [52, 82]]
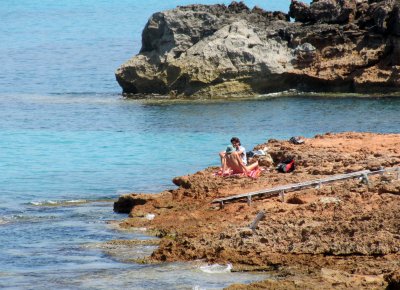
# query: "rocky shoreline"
[[218, 51], [345, 235]]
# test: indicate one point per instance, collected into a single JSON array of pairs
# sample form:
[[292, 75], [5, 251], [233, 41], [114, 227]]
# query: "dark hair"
[[236, 140]]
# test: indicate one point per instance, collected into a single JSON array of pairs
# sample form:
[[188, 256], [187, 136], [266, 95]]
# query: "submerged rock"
[[213, 51]]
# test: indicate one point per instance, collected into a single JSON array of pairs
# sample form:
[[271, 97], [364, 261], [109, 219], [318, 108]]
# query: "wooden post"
[[259, 217], [221, 205], [282, 195], [365, 179], [249, 200]]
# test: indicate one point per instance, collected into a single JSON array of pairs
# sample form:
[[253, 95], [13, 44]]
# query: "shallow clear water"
[[78, 148], [56, 247], [69, 144]]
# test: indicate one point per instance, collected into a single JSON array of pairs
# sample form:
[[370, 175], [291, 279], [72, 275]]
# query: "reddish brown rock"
[[345, 234]]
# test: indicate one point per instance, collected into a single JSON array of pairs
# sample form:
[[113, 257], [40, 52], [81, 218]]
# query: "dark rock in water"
[[126, 202], [215, 51]]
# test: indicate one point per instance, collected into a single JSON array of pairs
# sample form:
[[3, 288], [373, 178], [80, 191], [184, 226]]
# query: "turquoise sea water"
[[70, 144]]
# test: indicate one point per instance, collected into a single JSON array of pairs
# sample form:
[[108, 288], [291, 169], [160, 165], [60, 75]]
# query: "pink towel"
[[254, 174]]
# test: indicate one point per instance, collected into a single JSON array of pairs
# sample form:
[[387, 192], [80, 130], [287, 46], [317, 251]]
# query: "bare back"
[[234, 162]]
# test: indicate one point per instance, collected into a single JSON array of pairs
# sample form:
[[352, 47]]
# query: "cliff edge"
[[216, 51]]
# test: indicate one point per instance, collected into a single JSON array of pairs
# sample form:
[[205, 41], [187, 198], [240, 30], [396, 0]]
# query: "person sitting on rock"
[[235, 141], [232, 162]]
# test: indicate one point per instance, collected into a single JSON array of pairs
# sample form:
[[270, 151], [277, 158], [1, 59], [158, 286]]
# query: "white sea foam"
[[216, 268], [46, 202], [76, 201], [197, 287], [291, 92], [58, 202]]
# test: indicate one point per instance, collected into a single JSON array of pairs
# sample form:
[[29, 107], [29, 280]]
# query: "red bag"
[[286, 166]]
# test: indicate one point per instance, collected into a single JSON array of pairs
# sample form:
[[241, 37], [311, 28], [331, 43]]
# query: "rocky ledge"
[[216, 51], [343, 235]]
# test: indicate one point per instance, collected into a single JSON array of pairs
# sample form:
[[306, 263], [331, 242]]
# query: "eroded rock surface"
[[214, 51], [344, 235]]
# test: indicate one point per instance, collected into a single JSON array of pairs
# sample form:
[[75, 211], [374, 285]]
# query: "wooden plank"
[[380, 171], [297, 186]]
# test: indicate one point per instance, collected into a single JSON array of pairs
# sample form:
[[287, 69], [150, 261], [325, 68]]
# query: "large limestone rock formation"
[[201, 51]]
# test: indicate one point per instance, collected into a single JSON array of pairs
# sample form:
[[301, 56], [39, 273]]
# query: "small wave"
[[197, 287], [287, 93], [58, 202], [327, 94], [216, 268], [22, 218]]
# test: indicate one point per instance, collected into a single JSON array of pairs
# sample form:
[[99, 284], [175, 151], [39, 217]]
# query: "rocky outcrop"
[[324, 11], [215, 51], [343, 235]]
